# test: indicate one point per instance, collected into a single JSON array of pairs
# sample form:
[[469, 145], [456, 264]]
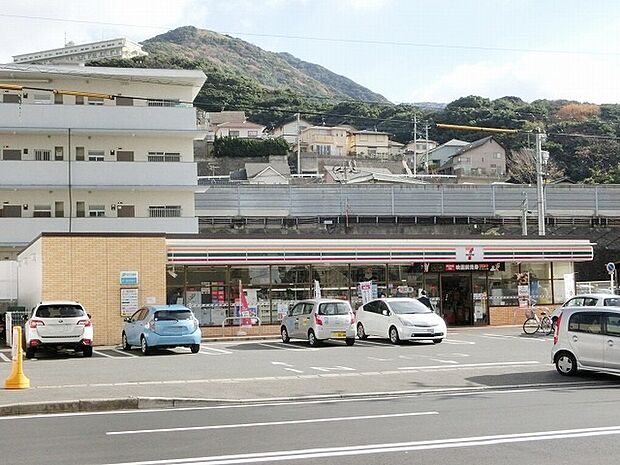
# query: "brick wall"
[[511, 315], [87, 269]]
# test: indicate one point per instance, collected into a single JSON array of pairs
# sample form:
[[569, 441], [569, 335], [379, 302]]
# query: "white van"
[[587, 338]]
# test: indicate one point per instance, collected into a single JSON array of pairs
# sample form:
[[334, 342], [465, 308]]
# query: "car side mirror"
[[385, 313], [88, 315], [127, 320]]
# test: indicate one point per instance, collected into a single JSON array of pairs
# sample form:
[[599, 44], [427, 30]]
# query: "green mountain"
[[274, 71]]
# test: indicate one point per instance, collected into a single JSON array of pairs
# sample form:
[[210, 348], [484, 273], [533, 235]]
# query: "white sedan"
[[399, 319]]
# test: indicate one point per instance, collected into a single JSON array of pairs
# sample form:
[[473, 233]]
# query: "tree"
[[522, 167], [236, 147]]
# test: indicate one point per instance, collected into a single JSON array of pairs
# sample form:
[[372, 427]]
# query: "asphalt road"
[[537, 426], [474, 358]]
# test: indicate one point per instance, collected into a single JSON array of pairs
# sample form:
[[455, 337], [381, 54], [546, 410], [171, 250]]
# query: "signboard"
[[610, 267], [523, 289], [569, 285], [128, 278], [365, 288], [452, 267], [129, 301]]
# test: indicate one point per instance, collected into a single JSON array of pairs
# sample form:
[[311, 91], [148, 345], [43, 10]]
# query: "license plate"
[[339, 334]]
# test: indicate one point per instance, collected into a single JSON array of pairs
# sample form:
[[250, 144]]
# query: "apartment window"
[[79, 100], [12, 211], [80, 209], [95, 101], [11, 154], [164, 157], [124, 101], [252, 133], [41, 99], [58, 99], [324, 150], [96, 155], [42, 155], [59, 209], [58, 153], [11, 98], [96, 211], [79, 153], [162, 103], [164, 211], [126, 211], [42, 211], [498, 156], [124, 155], [233, 133]]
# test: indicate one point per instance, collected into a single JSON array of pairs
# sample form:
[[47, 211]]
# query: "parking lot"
[[469, 358]]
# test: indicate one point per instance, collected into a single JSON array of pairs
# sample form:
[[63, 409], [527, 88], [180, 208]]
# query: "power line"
[[330, 39]]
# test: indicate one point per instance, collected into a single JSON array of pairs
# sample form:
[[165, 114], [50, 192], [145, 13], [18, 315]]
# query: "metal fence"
[[410, 200]]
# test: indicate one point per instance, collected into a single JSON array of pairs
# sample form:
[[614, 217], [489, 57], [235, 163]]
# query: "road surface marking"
[[282, 346], [271, 423], [385, 448], [373, 343], [282, 363], [4, 357], [103, 355], [293, 370], [458, 342], [459, 354], [125, 353], [334, 368], [471, 365], [213, 349], [380, 359], [443, 361]]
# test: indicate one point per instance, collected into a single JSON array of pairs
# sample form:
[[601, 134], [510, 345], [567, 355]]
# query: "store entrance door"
[[456, 299]]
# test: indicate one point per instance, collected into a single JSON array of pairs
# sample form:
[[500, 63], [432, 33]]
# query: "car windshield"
[[404, 307], [173, 315], [334, 308], [612, 302], [60, 311]]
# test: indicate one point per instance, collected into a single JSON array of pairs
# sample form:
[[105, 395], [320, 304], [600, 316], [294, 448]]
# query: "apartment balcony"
[[16, 231], [104, 174], [97, 117]]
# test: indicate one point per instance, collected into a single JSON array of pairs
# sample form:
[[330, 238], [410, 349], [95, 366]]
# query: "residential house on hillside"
[[276, 171], [325, 141], [371, 144], [442, 153], [395, 149], [244, 130], [289, 131], [479, 160]]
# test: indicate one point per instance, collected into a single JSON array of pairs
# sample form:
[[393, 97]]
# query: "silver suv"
[[319, 319]]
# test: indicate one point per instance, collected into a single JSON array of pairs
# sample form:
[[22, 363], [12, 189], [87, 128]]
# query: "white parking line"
[[471, 365], [373, 343], [103, 355], [4, 357], [219, 351], [127, 353], [443, 361], [282, 346], [293, 370], [458, 342]]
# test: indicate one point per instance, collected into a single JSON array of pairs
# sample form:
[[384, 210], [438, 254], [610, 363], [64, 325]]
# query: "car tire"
[[126, 345], [284, 334], [350, 341], [437, 341], [312, 339], [144, 347], [393, 335], [87, 351], [195, 348], [566, 364], [30, 352], [361, 333]]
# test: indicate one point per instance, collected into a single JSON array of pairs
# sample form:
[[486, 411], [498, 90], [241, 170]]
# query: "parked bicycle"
[[534, 323]]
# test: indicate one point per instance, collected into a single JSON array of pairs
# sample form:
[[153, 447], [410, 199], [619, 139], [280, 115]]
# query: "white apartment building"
[[76, 161], [72, 54]]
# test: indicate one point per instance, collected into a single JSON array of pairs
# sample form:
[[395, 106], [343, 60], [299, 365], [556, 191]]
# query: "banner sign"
[[452, 267]]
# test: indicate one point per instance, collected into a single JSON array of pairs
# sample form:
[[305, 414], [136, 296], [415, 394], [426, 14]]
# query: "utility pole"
[[298, 144], [539, 182], [415, 145], [524, 211], [426, 148]]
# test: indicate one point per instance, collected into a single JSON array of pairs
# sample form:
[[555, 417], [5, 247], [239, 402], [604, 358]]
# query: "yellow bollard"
[[17, 379]]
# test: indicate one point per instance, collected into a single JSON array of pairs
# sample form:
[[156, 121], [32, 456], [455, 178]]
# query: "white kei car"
[[400, 318], [59, 325]]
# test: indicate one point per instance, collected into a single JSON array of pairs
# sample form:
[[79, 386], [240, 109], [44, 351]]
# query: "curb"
[[147, 403]]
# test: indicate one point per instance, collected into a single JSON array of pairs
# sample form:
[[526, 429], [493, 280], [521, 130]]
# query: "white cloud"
[[363, 6], [531, 76]]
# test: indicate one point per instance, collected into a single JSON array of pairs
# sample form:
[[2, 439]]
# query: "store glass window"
[[207, 294], [503, 286], [431, 286], [289, 284], [403, 281], [540, 281], [255, 283], [362, 273], [333, 281]]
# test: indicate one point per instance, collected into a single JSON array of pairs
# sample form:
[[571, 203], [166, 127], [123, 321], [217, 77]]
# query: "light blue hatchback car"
[[162, 326]]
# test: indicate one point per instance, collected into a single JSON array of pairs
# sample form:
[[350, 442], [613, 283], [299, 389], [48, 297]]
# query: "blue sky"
[[407, 50]]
